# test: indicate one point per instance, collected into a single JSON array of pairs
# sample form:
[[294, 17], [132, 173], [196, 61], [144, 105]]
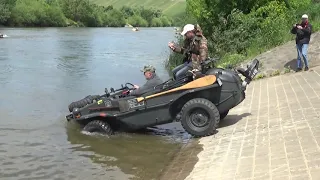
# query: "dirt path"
[[286, 56]]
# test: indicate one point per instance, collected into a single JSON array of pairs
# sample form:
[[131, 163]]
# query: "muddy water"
[[43, 70]]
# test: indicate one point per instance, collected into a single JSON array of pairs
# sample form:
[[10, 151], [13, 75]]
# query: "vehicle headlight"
[[76, 112]]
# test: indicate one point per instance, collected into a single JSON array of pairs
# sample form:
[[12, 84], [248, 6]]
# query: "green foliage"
[[174, 58], [156, 22], [171, 8], [36, 13], [4, 12], [136, 20], [237, 30], [276, 73], [231, 60], [115, 18], [77, 13], [166, 21]]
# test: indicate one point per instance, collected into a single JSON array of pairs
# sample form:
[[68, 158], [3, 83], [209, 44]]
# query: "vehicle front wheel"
[[200, 117], [98, 126]]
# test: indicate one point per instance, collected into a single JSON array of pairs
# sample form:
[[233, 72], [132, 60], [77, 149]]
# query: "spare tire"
[[83, 102], [79, 104]]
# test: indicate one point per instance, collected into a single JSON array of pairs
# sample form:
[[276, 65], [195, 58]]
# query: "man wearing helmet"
[[195, 50]]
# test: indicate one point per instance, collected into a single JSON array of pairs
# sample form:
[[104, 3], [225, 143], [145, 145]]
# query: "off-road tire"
[[211, 112], [83, 102], [98, 126], [223, 115]]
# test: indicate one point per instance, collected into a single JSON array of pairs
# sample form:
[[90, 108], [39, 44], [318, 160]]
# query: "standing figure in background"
[[303, 34]]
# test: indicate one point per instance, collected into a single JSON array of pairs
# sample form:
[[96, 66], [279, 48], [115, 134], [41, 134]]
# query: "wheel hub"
[[199, 119]]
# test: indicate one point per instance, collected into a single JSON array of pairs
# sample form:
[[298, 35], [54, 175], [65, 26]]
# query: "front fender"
[[176, 104]]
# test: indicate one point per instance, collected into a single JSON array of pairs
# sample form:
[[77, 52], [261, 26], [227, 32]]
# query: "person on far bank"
[[195, 50], [303, 34]]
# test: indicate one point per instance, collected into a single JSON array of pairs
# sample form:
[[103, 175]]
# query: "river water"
[[42, 70]]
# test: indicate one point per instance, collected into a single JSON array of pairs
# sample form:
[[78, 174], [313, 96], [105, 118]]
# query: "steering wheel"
[[126, 85], [126, 90]]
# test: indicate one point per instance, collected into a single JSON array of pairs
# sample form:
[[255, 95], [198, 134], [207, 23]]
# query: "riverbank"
[[274, 133], [240, 149], [283, 59], [182, 162]]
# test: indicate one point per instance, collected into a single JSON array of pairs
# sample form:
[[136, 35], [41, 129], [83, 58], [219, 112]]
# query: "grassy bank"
[[239, 32], [86, 13], [170, 8]]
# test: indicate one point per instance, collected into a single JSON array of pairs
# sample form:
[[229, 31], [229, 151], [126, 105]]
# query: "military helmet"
[[148, 68]]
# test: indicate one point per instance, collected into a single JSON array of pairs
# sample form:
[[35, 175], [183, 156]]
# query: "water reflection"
[[139, 154], [74, 54]]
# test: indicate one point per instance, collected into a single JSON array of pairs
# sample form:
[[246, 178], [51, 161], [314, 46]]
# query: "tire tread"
[[102, 124], [210, 105]]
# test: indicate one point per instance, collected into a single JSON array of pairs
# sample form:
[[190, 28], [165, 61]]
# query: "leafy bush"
[[37, 13], [156, 22], [237, 31], [136, 20]]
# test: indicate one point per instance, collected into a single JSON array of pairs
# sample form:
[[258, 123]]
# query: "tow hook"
[[178, 117]]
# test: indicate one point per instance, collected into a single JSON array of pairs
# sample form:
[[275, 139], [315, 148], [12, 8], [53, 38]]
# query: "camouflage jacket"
[[198, 50]]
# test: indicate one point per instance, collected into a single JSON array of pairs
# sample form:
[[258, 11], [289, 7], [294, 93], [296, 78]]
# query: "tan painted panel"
[[201, 82]]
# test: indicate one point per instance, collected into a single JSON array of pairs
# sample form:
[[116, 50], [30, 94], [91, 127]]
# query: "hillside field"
[[169, 7]]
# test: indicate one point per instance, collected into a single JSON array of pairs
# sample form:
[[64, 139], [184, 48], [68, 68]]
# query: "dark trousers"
[[180, 71]]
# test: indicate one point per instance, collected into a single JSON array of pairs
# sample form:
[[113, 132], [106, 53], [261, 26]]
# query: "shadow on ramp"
[[230, 120], [292, 64]]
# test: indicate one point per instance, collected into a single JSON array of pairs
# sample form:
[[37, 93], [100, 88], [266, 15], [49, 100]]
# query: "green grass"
[[169, 7]]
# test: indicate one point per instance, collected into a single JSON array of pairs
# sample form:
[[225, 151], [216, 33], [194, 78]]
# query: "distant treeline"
[[60, 13]]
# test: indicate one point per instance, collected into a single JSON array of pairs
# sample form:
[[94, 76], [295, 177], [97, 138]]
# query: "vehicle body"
[[199, 104]]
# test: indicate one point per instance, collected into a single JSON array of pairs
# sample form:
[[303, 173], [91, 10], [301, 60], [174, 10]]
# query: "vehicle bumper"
[[69, 117]]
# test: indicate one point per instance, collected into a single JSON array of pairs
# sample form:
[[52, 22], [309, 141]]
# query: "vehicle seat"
[[154, 90]]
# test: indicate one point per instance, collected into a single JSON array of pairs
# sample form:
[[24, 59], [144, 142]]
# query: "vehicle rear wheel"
[[223, 115], [98, 126], [200, 117]]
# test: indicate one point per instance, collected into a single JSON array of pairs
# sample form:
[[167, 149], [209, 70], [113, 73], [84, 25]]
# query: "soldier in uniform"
[[152, 81], [195, 50]]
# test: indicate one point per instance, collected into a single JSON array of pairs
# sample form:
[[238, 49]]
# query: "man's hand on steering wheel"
[[126, 92], [134, 87], [129, 89]]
